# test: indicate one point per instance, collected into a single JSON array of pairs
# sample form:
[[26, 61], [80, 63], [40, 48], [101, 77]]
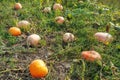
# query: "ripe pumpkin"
[[91, 55], [17, 6], [60, 20], [57, 6], [68, 37], [15, 31], [33, 39], [38, 68], [103, 37]]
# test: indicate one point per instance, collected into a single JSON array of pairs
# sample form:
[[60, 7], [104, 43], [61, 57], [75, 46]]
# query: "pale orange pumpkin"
[[91, 55], [57, 6], [103, 37], [23, 24], [33, 39], [47, 9], [17, 6], [60, 20], [68, 37]]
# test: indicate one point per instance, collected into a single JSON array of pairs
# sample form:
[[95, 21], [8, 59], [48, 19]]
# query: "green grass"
[[81, 19]]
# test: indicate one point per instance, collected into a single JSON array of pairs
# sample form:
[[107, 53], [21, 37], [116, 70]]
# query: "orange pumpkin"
[[38, 68], [15, 31], [91, 55]]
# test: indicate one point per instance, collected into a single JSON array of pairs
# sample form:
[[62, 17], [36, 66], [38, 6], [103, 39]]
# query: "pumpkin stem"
[[107, 28]]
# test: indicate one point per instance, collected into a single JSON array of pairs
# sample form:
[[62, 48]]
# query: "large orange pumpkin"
[[38, 68]]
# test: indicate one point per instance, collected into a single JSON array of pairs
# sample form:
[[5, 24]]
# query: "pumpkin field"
[[59, 40]]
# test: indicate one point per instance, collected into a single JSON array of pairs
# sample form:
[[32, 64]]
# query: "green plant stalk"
[[83, 69]]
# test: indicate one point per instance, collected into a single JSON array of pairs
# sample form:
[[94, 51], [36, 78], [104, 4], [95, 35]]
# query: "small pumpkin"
[[57, 6], [103, 37], [68, 37], [23, 24], [91, 55], [17, 6], [33, 39], [60, 20], [47, 9], [15, 31]]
